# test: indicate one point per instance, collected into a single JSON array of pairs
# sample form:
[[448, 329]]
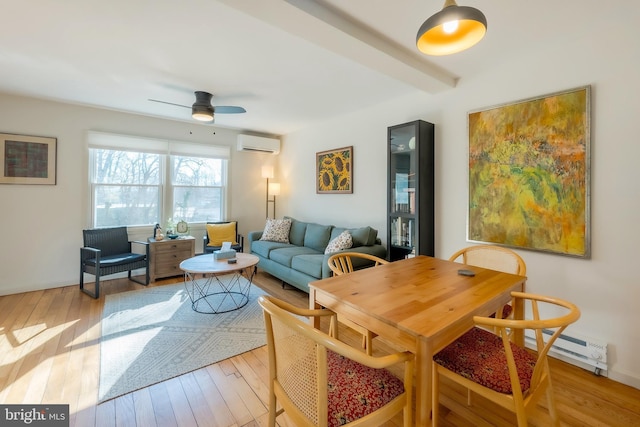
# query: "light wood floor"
[[49, 353]]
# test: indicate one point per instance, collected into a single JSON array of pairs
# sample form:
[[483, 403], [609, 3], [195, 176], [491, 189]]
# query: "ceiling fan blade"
[[170, 103], [228, 109], [203, 105]]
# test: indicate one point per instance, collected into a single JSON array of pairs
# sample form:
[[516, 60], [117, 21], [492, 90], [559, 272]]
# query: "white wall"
[[605, 287], [42, 225]]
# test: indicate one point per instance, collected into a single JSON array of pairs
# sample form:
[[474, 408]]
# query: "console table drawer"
[[168, 264], [171, 246]]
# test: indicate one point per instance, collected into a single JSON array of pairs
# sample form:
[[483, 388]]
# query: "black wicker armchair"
[[109, 251]]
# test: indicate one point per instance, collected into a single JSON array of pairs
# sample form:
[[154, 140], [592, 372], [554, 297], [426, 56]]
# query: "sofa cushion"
[[317, 236], [284, 256], [118, 259], [356, 390], [296, 234], [264, 248], [364, 236], [310, 264], [276, 230], [336, 231], [340, 242]]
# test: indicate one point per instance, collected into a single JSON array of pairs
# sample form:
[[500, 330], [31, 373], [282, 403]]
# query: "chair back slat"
[[346, 262]]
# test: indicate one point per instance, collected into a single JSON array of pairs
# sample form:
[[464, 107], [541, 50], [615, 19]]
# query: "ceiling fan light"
[[434, 39], [202, 116], [203, 113]]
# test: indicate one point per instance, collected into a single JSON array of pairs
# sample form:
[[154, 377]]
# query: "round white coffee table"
[[223, 287]]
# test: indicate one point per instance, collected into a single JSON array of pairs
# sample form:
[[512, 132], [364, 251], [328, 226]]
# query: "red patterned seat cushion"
[[355, 390], [479, 356]]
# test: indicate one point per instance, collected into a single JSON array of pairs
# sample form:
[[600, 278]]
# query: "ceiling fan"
[[202, 109]]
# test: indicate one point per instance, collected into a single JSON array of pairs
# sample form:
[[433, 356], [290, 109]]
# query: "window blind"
[[112, 141]]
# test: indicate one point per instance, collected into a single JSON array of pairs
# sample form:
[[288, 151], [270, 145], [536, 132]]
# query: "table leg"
[[313, 305], [518, 314], [424, 375], [215, 294]]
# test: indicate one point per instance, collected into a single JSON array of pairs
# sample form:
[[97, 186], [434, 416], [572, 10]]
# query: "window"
[[139, 181], [197, 188], [127, 187]]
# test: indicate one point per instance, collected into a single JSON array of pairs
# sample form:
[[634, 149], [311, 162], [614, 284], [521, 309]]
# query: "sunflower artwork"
[[334, 171]]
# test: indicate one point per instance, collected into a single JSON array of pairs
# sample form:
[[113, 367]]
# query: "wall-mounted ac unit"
[[258, 143]]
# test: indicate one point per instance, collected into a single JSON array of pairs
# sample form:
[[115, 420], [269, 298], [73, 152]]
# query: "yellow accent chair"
[[222, 231]]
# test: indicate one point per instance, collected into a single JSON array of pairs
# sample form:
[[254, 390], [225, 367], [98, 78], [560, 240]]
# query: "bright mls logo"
[[34, 415]]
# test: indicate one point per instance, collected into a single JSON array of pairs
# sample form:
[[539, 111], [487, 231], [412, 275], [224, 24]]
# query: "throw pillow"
[[219, 233], [276, 230], [343, 241]]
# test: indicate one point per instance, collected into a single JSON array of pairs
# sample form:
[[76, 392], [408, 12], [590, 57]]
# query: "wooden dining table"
[[419, 304]]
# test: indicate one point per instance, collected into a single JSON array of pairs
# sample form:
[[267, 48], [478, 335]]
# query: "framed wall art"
[[27, 159], [529, 174], [334, 171]]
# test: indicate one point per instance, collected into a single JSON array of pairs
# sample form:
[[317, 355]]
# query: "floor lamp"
[[267, 172], [274, 190]]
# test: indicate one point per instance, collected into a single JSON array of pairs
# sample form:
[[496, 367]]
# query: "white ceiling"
[[289, 63]]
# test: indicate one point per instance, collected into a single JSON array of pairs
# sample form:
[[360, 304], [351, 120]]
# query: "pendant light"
[[452, 30]]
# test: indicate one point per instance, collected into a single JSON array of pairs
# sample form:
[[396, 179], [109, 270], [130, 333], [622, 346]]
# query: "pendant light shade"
[[452, 30]]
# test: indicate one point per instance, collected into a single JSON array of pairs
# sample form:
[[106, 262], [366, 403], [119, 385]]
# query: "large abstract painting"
[[27, 159], [529, 174]]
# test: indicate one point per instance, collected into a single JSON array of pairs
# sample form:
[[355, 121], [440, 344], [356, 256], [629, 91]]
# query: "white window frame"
[[171, 187], [166, 148]]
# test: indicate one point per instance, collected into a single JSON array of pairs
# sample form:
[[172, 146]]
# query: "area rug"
[[153, 334]]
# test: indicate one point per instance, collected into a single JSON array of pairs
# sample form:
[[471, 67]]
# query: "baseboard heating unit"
[[581, 351]]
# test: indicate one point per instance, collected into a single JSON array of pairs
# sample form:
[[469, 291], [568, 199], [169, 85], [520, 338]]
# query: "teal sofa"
[[303, 260]]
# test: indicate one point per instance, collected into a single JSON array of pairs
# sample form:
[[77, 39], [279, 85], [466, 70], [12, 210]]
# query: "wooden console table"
[[166, 256]]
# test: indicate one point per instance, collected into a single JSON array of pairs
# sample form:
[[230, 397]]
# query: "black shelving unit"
[[410, 199]]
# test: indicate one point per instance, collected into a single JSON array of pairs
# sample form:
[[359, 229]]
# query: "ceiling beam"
[[322, 25]]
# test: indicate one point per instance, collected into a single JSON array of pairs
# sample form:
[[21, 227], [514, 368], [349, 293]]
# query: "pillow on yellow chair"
[[219, 233]]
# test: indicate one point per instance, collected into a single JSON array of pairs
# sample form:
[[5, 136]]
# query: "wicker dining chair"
[[492, 366], [343, 262], [494, 258], [320, 381], [347, 262]]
